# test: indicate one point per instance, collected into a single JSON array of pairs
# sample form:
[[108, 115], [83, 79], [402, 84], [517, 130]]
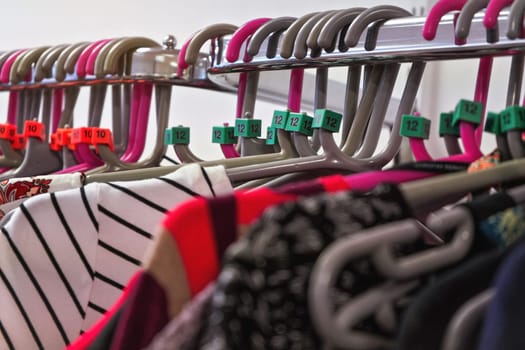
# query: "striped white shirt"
[[65, 256]]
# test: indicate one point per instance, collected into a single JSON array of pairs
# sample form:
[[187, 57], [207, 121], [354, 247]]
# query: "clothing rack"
[[158, 65], [399, 40]]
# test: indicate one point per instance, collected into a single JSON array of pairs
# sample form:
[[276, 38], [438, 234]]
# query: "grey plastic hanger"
[[71, 94], [108, 64], [373, 131], [373, 17], [334, 326], [357, 131], [513, 98], [377, 14], [25, 107], [275, 26], [463, 24], [38, 157], [465, 17], [248, 146], [43, 67], [465, 321], [306, 35], [334, 158], [515, 28], [288, 41], [183, 152], [376, 242], [327, 39], [300, 47]]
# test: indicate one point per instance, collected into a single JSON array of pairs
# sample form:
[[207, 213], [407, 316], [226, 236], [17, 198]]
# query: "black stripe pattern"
[[89, 243]]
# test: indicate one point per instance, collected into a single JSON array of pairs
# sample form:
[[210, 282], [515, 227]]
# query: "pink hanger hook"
[[493, 9], [470, 136], [84, 56], [441, 8], [240, 36], [92, 58]]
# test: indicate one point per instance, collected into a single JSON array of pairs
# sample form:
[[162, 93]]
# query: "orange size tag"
[[7, 131], [64, 138], [102, 136], [81, 135], [35, 129], [19, 141], [54, 143]]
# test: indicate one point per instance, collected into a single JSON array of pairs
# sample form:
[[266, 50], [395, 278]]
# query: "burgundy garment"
[[141, 318]]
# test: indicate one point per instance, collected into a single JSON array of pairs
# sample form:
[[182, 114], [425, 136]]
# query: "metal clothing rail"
[[399, 40]]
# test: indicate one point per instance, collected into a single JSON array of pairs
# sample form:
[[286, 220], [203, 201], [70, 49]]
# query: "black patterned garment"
[[261, 297]]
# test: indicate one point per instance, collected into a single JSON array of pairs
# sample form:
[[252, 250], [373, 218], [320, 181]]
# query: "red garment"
[[149, 307], [201, 245], [85, 339]]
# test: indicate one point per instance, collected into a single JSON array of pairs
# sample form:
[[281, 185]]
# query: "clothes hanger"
[[38, 157], [87, 159], [514, 144], [493, 10], [327, 40], [376, 242], [334, 158], [251, 145], [221, 29], [515, 29], [121, 101], [376, 161], [516, 71], [466, 319], [241, 34], [70, 95], [471, 145], [12, 103], [109, 65], [245, 34], [77, 65], [351, 98], [357, 131], [464, 20], [213, 31], [276, 27], [12, 158]]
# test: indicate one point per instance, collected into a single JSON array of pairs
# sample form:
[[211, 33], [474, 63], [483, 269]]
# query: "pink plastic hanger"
[[493, 9], [228, 151], [83, 152], [85, 158], [470, 136], [250, 146], [368, 180], [13, 98]]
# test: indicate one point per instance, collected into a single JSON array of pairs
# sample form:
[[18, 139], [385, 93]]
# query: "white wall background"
[[30, 23]]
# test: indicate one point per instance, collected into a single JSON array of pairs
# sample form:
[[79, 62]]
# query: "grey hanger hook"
[[204, 35], [338, 23], [377, 13], [466, 320], [465, 20], [288, 41], [277, 26], [300, 43], [44, 65], [515, 29], [373, 131], [72, 51]]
